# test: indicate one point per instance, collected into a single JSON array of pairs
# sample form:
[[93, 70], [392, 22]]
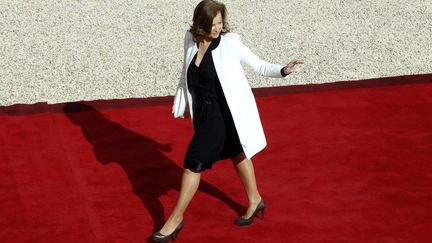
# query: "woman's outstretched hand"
[[289, 68]]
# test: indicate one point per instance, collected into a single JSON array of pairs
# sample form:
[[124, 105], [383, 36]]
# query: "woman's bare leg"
[[245, 170], [189, 185]]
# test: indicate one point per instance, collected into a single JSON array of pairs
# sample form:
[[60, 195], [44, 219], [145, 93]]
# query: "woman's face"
[[217, 26]]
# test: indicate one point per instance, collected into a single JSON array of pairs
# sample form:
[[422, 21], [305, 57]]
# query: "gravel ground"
[[58, 51]]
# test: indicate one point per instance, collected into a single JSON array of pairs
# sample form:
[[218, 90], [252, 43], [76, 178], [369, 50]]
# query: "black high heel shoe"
[[158, 237], [245, 222]]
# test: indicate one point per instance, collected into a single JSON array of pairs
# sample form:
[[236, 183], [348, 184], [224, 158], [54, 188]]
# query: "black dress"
[[215, 136]]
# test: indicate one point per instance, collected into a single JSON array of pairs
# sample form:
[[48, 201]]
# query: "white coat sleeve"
[[182, 81], [248, 58], [181, 86]]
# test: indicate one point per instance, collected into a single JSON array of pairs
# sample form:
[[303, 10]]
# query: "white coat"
[[228, 58]]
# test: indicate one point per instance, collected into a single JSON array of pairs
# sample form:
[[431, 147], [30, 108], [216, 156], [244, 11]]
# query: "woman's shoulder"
[[188, 34], [231, 39], [188, 39], [232, 36]]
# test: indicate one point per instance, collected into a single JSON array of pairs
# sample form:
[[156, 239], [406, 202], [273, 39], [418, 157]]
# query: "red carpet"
[[350, 163]]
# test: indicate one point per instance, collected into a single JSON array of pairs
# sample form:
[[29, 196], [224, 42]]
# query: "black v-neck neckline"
[[213, 44], [194, 60]]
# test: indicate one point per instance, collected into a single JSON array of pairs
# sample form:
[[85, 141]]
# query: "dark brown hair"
[[203, 17]]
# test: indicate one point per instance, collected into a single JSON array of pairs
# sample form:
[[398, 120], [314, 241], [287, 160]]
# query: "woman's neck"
[[207, 40]]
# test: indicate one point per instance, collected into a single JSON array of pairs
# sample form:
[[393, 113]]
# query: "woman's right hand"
[[289, 68]]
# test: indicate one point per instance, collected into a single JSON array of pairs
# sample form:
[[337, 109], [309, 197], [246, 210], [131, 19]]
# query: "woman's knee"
[[238, 158], [191, 172]]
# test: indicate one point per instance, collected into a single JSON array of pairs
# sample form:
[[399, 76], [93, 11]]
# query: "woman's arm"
[[182, 81], [261, 67], [180, 99]]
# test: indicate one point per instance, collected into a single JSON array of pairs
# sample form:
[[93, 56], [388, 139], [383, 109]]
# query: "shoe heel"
[[174, 236], [176, 232], [158, 237], [245, 222]]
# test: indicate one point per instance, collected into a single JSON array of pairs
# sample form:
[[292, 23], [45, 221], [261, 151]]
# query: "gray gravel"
[[58, 51]]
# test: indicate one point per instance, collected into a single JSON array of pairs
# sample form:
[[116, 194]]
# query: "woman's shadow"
[[150, 172]]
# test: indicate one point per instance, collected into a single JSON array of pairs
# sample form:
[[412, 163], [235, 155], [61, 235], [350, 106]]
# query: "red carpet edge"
[[26, 109]]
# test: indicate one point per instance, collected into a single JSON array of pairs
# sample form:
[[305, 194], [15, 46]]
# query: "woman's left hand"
[[289, 68]]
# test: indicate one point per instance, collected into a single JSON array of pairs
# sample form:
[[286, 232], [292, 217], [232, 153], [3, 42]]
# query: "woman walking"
[[223, 110]]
